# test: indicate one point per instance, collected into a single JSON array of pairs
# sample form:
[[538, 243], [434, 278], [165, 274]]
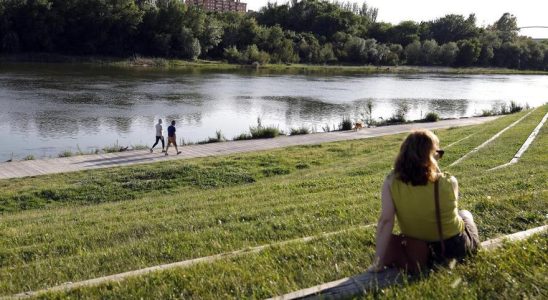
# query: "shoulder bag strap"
[[438, 216]]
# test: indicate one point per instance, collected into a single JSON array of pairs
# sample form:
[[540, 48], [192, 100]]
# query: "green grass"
[[208, 65], [516, 272], [77, 226]]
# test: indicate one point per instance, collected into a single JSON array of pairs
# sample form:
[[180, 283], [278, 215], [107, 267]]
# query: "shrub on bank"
[[432, 117], [346, 124], [261, 132], [299, 131], [218, 138], [66, 153], [514, 107], [502, 109], [243, 136]]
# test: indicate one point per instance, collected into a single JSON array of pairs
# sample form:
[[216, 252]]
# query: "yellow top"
[[416, 209]]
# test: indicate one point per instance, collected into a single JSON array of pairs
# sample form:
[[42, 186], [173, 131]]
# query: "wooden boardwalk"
[[20, 169]]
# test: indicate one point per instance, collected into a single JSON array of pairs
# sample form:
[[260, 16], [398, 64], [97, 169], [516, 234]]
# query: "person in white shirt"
[[159, 136]]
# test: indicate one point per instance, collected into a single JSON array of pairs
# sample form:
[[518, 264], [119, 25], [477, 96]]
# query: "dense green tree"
[[312, 31], [545, 63], [452, 28], [382, 32], [323, 18], [448, 53], [253, 55], [326, 54], [430, 52], [394, 56], [469, 51], [405, 33], [232, 54], [507, 26], [413, 53]]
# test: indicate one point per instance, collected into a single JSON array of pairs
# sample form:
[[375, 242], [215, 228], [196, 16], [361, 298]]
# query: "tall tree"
[[452, 28]]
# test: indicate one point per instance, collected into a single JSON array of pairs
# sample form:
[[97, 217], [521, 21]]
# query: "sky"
[[528, 12]]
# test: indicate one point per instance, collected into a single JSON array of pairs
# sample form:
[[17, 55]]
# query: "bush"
[[504, 109], [66, 153], [219, 137], [487, 113], [243, 136], [346, 124], [232, 54], [29, 157], [252, 55], [114, 148], [261, 132], [514, 107], [431, 117], [328, 128], [299, 131], [400, 115]]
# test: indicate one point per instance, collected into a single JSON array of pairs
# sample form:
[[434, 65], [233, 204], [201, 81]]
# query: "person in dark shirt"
[[172, 137]]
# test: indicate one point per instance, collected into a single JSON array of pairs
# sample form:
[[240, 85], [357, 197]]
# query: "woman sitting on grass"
[[409, 193]]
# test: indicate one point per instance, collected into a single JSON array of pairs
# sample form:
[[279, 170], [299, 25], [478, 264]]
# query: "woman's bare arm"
[[385, 225], [455, 185]]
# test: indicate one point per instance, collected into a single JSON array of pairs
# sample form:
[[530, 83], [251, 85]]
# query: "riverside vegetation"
[[307, 31], [77, 226]]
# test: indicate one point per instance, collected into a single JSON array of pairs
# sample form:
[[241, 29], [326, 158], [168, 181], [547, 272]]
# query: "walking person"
[[172, 137], [159, 136]]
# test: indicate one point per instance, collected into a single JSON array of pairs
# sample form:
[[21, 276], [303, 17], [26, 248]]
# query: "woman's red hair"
[[415, 163]]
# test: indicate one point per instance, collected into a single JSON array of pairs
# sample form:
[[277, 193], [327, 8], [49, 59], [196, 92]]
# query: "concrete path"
[[87, 162]]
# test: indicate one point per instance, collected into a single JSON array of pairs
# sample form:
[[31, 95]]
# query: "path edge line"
[[490, 139], [525, 145], [181, 264]]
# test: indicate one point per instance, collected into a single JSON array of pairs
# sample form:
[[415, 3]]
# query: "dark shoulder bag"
[[413, 254]]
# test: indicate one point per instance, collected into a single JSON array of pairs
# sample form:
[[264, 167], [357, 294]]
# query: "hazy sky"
[[528, 12]]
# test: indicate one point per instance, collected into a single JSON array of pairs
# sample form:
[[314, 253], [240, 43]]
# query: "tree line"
[[307, 31]]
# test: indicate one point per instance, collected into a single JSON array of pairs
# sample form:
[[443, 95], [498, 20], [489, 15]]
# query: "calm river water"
[[47, 109]]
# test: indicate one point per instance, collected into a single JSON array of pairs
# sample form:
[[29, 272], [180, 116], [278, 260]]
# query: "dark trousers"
[[461, 245], [159, 138]]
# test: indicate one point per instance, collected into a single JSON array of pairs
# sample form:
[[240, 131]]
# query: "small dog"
[[358, 125]]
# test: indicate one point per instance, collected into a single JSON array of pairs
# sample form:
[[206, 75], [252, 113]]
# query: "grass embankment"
[[209, 65], [90, 224]]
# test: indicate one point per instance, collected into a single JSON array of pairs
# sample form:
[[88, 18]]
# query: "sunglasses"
[[440, 152]]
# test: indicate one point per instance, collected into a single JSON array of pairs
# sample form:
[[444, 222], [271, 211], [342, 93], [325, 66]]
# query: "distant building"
[[219, 5]]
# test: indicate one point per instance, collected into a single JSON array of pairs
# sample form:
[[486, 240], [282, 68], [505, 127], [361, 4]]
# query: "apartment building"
[[220, 5]]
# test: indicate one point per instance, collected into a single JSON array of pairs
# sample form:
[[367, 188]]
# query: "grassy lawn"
[[77, 226], [215, 65]]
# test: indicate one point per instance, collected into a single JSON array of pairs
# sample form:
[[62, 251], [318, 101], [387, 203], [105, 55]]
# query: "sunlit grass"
[[76, 226]]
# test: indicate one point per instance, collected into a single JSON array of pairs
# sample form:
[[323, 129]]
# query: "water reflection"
[[52, 124], [455, 107], [47, 109]]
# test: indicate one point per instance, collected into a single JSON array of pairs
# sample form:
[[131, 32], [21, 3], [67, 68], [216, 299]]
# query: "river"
[[47, 109]]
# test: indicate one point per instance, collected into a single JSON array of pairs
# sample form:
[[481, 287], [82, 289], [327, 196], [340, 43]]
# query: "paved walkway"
[[87, 162]]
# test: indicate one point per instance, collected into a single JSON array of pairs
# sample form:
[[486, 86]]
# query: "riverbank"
[[140, 63], [83, 225], [27, 168]]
